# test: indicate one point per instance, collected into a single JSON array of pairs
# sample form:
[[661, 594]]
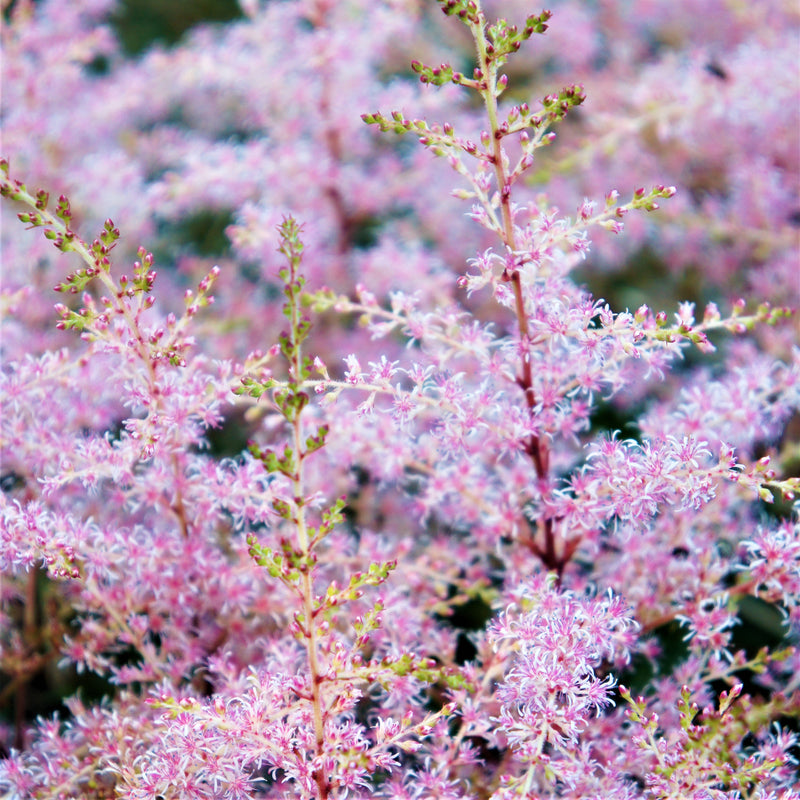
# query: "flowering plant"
[[432, 572]]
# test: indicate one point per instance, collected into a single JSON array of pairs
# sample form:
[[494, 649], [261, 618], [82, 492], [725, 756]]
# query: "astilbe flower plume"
[[554, 644], [431, 568]]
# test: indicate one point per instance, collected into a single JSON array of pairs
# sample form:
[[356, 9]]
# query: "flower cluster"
[[556, 643], [430, 498]]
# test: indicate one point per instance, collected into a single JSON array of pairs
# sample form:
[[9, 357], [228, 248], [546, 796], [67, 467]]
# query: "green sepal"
[[253, 388], [330, 519], [425, 670], [466, 10], [74, 320], [436, 76], [397, 124], [315, 442], [284, 464], [264, 557], [335, 595], [506, 39]]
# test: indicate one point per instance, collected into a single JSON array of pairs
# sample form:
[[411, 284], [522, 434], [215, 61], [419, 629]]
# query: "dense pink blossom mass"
[[399, 404]]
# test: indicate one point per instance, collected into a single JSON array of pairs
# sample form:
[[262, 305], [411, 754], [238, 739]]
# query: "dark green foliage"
[[141, 23]]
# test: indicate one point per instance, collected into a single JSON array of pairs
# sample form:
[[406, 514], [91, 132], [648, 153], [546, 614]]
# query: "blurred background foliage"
[[141, 23]]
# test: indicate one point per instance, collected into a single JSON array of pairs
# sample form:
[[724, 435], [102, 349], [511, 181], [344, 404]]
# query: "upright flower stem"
[[308, 595], [292, 249], [534, 446]]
